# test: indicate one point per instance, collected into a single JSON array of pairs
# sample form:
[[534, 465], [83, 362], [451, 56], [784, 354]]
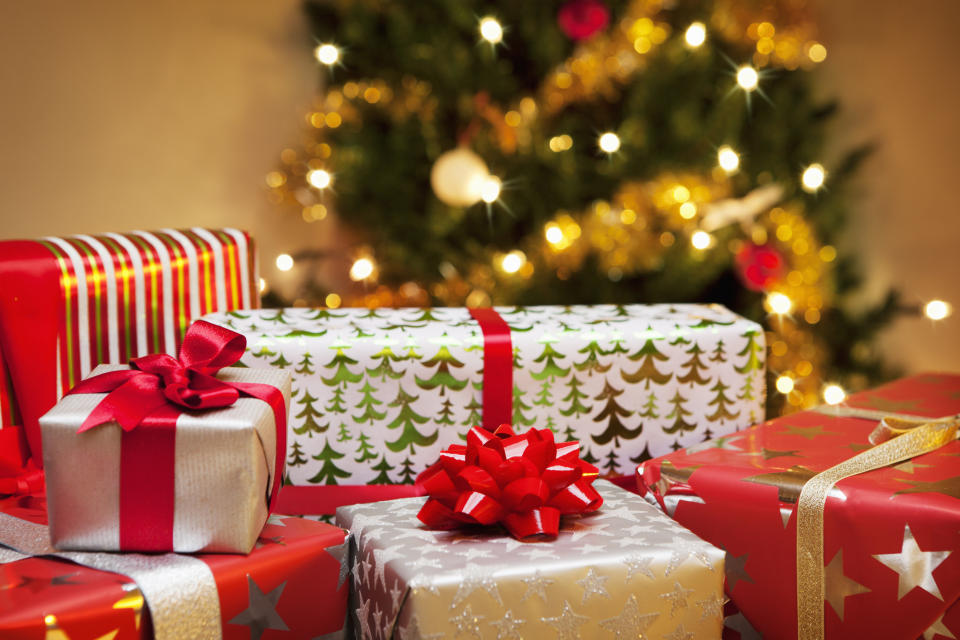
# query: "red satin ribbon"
[[497, 368], [146, 401], [523, 482], [19, 475]]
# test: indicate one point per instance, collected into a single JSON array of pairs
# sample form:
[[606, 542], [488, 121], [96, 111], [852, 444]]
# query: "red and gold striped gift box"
[[68, 304]]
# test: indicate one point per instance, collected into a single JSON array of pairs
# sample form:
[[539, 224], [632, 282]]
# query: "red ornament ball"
[[760, 266], [580, 19]]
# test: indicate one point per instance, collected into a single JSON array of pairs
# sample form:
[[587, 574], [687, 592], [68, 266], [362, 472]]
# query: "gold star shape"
[[639, 564], [839, 586], [947, 486], [809, 432], [789, 483], [712, 607], [938, 627], [537, 586], [467, 622], [769, 454], [909, 467], [133, 601], [914, 566], [568, 623], [859, 446], [508, 627], [475, 578], [679, 634], [593, 584], [736, 570], [630, 623], [677, 598]]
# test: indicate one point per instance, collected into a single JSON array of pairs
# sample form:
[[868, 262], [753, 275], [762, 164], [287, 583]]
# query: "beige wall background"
[[119, 116]]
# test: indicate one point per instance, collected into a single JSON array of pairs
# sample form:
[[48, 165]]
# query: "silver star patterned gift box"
[[625, 571]]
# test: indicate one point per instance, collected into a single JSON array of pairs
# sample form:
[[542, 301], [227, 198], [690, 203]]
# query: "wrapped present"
[[69, 304], [624, 571], [377, 394], [167, 454], [835, 525], [293, 585]]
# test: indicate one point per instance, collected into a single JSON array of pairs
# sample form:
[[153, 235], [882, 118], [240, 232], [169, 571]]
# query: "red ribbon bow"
[[525, 482], [146, 401]]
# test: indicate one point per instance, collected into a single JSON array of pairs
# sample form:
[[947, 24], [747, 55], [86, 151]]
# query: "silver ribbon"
[[179, 590]]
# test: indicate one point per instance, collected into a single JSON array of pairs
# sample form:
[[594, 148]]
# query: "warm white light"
[[700, 240], [327, 54], [688, 210], [834, 394], [319, 178], [362, 269], [263, 285], [784, 384], [553, 233], [813, 177], [609, 142], [284, 262], [513, 261], [696, 34], [747, 77], [490, 30], [728, 159], [779, 303], [937, 310], [490, 189]]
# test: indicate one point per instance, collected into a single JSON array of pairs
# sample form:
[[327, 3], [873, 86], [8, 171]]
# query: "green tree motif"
[[323, 314], [617, 339], [548, 357], [718, 354], [263, 352], [384, 368], [679, 415], [443, 360], [519, 406], [340, 360], [309, 414], [365, 449], [305, 366], [647, 372], [329, 472], [650, 407], [544, 397], [612, 414], [445, 415], [411, 348], [576, 408], [368, 404], [551, 424], [296, 456], [277, 317], [423, 315], [746, 391], [383, 466], [754, 353], [570, 434], [587, 456], [407, 475], [591, 362], [475, 417], [643, 456], [408, 419], [280, 363], [611, 465], [343, 434], [336, 402], [697, 367], [721, 401]]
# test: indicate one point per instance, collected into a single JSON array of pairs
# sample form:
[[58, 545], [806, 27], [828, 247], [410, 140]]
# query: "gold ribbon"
[[899, 437]]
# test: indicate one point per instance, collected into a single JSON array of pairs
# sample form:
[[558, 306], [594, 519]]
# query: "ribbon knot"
[[525, 482]]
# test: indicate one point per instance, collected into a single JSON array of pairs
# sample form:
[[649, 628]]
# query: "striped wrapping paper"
[[69, 304]]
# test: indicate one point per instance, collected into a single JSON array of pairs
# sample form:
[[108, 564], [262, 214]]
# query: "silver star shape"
[[467, 622], [508, 627], [395, 594], [424, 561], [589, 548], [536, 551], [357, 576], [377, 617], [568, 623], [341, 554], [712, 607], [593, 584], [623, 513], [261, 612], [677, 598], [421, 581], [412, 631], [366, 565], [630, 624], [536, 586], [639, 528], [363, 616], [512, 544], [683, 548], [474, 578], [679, 634], [471, 554], [739, 623], [578, 530], [914, 566], [381, 558], [638, 564]]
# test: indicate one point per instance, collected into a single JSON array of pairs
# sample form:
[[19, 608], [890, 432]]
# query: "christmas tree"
[[588, 151]]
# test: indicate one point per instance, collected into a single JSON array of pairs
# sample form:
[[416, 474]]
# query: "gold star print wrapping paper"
[[623, 571]]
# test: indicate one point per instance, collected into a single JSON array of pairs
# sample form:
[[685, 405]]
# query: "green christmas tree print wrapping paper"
[[378, 394]]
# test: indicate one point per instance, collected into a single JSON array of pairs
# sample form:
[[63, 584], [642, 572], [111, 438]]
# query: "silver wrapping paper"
[[626, 571], [224, 464]]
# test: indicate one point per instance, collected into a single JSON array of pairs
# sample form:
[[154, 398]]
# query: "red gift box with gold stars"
[[890, 536], [292, 585]]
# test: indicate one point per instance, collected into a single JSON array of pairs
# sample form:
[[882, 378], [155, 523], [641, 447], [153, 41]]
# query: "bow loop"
[[523, 481]]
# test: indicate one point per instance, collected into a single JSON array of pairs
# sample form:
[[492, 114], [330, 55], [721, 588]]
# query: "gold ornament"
[[458, 177]]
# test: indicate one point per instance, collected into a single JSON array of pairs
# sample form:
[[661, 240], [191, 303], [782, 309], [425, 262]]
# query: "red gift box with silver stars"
[[292, 585], [891, 537]]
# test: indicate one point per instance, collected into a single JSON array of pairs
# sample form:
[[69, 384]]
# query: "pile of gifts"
[[568, 472]]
